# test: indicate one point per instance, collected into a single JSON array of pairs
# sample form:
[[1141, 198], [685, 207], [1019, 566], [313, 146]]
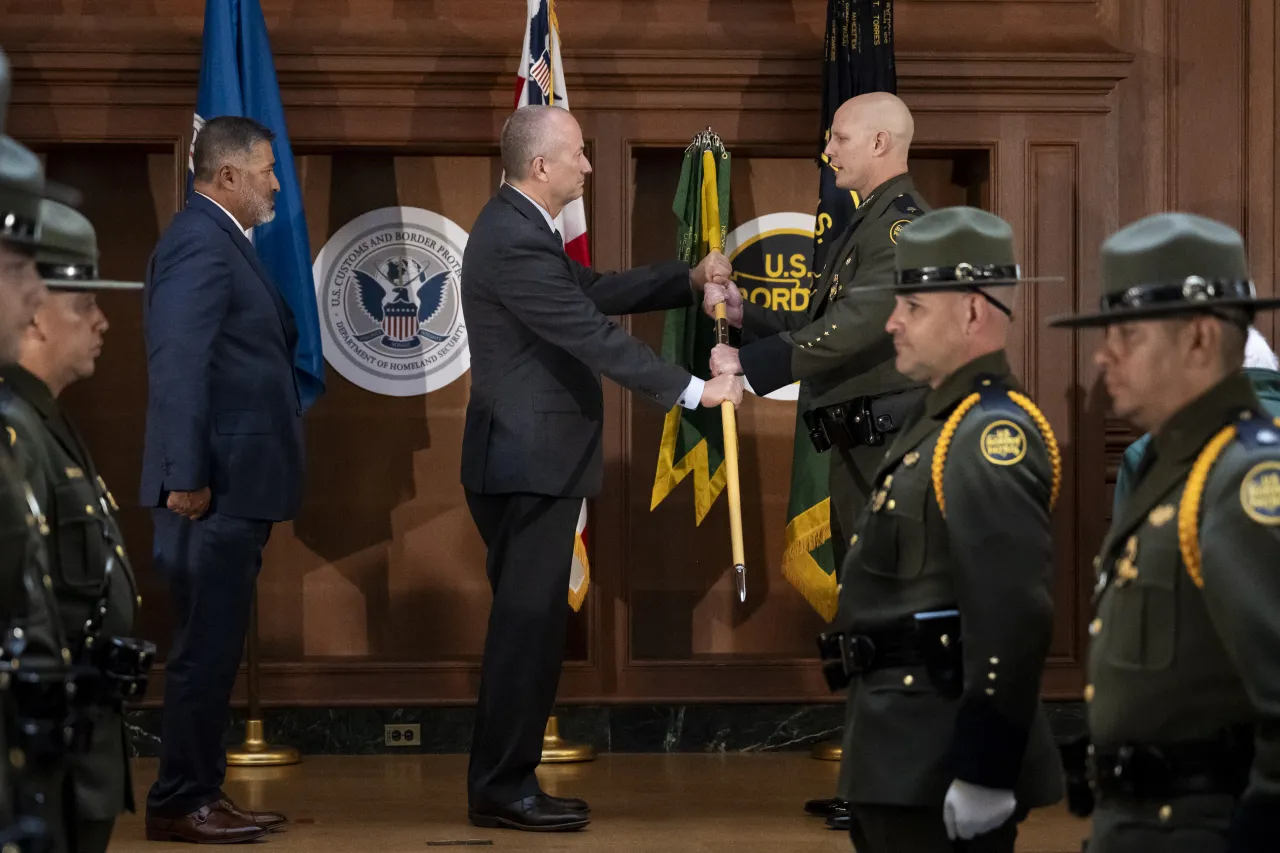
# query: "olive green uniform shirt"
[[990, 557], [1180, 652], [84, 540]]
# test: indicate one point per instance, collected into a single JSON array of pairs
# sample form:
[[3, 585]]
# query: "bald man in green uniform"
[[1184, 661]]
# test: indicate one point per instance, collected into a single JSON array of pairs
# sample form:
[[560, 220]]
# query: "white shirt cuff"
[[692, 396]]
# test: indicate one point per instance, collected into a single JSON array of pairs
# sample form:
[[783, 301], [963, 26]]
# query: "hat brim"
[[91, 284], [1155, 312], [955, 286]]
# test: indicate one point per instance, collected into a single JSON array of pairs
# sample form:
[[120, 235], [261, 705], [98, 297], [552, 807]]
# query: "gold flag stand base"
[[557, 751], [829, 751], [256, 752]]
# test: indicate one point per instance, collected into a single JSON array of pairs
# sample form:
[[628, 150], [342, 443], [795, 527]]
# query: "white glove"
[[971, 810]]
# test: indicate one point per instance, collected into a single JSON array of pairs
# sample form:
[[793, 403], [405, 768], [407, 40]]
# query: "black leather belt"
[[1145, 771], [861, 421], [930, 640]]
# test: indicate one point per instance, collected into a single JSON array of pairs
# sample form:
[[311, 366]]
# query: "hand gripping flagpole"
[[711, 230], [255, 751]]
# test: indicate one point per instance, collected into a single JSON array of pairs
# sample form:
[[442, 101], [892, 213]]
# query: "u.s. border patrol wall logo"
[[388, 289], [771, 258]]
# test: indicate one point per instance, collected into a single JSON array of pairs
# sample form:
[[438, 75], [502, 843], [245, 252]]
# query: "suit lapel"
[[223, 221], [818, 301]]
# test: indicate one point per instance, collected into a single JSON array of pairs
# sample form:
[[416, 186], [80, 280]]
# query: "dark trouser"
[[211, 566], [919, 829], [90, 836], [530, 543], [1192, 824]]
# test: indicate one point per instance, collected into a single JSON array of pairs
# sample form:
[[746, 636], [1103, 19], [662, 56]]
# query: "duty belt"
[[930, 639], [1148, 771], [861, 421]]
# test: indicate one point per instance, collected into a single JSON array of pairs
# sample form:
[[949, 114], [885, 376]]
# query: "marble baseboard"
[[614, 728]]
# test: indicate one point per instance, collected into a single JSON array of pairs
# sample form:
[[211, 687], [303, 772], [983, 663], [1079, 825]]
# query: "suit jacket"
[[223, 408], [981, 544], [837, 346], [539, 342]]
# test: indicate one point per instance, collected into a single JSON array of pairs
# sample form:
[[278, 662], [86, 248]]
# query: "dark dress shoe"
[[532, 814], [573, 804], [270, 820], [830, 807], [208, 824], [843, 822]]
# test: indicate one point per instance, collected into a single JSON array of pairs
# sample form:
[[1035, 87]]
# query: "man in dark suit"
[[223, 460], [540, 339]]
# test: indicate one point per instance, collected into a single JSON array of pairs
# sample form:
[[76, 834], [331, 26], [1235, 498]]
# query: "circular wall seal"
[[772, 256], [387, 285]]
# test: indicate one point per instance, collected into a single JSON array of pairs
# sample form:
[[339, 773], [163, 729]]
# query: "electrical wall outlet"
[[403, 734]]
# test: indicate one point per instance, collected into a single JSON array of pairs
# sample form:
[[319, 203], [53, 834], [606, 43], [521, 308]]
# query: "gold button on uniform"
[[88, 508], [1166, 812], [909, 680], [1095, 627], [1088, 692], [892, 504], [854, 540]]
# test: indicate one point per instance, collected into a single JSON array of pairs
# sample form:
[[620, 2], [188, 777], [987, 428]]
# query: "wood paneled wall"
[[1086, 113]]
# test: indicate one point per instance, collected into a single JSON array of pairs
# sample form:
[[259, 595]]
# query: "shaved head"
[[870, 141], [544, 156]]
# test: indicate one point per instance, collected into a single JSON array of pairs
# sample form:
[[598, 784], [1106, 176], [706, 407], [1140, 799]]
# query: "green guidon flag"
[[693, 439]]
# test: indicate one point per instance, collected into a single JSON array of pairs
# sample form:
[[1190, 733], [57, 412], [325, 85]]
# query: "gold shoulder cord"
[[1192, 495], [953, 423], [1050, 442], [944, 444]]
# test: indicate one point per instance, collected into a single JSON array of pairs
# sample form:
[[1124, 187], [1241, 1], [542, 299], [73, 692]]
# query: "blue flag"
[[238, 78]]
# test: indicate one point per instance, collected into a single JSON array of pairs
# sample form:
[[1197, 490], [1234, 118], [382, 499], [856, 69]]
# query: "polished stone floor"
[[640, 804]]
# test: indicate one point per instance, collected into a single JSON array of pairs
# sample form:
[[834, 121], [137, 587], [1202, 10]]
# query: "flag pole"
[[729, 417], [255, 751]]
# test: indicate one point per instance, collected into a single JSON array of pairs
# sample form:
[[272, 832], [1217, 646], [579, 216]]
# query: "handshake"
[[712, 276]]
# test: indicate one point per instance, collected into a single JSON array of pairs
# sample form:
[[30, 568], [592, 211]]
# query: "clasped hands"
[[712, 277], [719, 290]]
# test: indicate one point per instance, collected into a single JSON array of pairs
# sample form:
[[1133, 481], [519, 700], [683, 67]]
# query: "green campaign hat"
[[67, 254], [21, 180], [955, 248], [1169, 264]]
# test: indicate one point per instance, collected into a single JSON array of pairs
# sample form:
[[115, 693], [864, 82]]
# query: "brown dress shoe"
[[270, 820], [208, 824]]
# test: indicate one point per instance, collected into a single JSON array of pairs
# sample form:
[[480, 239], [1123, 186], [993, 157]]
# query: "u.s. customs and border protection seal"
[[388, 289], [896, 228], [1003, 443], [1260, 493]]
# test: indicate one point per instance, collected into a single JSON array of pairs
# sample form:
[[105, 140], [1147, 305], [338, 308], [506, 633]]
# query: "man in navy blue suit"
[[223, 460]]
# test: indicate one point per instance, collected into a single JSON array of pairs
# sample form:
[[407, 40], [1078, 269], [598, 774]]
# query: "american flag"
[[541, 81]]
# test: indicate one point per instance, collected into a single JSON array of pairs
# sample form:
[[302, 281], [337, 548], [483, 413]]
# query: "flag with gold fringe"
[[693, 439], [857, 58]]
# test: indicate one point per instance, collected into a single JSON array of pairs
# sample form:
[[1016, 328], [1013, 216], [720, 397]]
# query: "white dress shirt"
[[243, 230], [692, 396]]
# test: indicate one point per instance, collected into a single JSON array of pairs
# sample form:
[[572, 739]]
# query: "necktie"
[[559, 238]]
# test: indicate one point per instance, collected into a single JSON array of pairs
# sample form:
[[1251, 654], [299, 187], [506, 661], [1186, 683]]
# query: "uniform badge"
[[1161, 515], [1127, 566], [877, 502], [911, 459], [896, 228], [1003, 443], [74, 473], [1260, 493]]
